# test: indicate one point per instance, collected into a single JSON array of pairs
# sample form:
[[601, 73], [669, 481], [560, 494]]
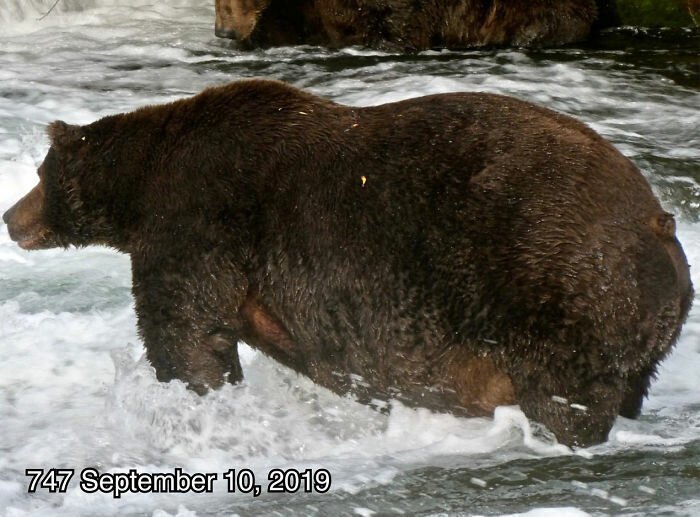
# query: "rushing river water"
[[75, 392]]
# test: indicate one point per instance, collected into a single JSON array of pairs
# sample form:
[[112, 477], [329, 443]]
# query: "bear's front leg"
[[187, 317]]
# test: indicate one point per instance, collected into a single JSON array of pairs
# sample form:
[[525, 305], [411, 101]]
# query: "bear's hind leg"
[[637, 389], [580, 411]]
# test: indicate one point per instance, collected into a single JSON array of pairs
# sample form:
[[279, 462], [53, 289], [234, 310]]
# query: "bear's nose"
[[8, 215]]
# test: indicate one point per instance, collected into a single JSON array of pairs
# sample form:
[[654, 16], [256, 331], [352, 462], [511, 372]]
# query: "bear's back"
[[462, 202]]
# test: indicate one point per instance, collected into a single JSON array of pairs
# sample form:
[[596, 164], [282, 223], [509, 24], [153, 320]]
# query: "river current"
[[76, 393]]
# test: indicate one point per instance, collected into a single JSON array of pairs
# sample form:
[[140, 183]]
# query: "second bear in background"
[[401, 25]]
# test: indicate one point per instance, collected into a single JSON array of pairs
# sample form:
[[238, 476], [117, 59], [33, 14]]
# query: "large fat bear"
[[405, 25], [457, 251]]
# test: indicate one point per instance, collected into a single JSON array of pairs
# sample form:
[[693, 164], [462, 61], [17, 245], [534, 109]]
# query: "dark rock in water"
[[649, 13]]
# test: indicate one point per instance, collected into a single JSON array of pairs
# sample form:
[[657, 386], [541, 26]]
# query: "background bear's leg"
[[187, 316]]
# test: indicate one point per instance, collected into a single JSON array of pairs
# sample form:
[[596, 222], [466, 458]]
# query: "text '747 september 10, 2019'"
[[91, 481]]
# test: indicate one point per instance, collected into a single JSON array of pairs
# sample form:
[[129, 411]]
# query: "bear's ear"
[[63, 135]]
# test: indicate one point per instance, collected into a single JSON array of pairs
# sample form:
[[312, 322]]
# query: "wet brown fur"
[[456, 251], [405, 24]]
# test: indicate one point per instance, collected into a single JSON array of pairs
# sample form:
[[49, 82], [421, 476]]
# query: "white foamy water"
[[75, 391]]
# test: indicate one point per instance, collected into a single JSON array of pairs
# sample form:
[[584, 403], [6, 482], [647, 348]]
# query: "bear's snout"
[[8, 215], [24, 223]]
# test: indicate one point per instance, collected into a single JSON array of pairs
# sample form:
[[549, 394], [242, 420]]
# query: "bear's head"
[[237, 19], [69, 204]]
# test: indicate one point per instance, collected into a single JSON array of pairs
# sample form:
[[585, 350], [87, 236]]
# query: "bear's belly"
[[479, 385], [464, 385], [263, 331]]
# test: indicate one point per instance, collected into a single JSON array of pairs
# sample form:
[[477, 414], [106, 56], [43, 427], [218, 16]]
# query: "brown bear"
[[457, 251], [403, 25]]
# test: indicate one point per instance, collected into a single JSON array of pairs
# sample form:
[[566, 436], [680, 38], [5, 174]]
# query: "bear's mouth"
[[33, 242], [28, 244]]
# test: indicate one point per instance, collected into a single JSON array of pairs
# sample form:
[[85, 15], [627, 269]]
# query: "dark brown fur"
[[456, 251], [405, 24]]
